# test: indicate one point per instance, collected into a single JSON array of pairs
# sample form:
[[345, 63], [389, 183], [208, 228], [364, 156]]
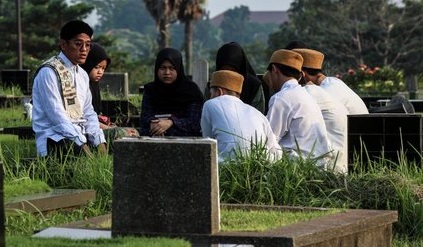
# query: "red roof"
[[263, 17]]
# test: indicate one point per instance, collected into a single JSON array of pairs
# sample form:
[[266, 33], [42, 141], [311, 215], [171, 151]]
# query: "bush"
[[366, 80]]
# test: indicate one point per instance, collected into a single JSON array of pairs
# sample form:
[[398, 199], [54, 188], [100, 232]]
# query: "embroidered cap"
[[288, 58], [227, 79], [312, 59], [75, 27]]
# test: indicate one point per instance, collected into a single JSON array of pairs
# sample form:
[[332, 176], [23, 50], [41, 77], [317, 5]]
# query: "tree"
[[164, 13], [41, 23], [189, 11], [376, 33], [235, 24], [123, 14]]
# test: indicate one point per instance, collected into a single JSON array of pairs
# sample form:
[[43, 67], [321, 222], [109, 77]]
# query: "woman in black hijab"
[[231, 56], [171, 104], [95, 66]]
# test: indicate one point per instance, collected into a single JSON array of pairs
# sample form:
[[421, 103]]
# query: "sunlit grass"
[[261, 220], [250, 178], [23, 186]]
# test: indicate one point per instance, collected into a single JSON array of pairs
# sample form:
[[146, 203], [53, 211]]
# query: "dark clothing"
[[63, 148], [96, 100], [186, 121], [182, 99], [232, 56], [95, 56]]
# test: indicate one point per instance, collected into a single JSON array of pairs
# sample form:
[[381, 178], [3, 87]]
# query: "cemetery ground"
[[249, 179]]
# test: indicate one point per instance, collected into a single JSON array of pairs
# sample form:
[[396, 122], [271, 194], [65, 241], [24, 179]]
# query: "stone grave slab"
[[2, 215], [168, 187], [165, 185], [388, 132], [54, 200], [58, 232], [17, 77], [352, 228], [115, 83]]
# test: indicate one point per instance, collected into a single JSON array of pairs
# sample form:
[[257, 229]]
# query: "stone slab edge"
[[56, 199]]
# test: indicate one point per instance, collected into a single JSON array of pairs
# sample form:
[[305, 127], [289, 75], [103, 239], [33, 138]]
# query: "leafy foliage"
[[366, 80], [41, 23], [377, 33]]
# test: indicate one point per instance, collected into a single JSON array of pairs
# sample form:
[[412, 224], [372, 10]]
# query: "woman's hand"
[[158, 127]]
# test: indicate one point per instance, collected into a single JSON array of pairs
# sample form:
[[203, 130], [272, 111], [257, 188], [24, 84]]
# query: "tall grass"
[[248, 178], [299, 182]]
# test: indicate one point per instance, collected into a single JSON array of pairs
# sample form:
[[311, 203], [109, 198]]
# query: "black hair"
[[312, 72], [286, 70]]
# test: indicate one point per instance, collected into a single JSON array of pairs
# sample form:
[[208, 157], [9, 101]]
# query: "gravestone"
[[121, 112], [115, 83], [17, 77], [200, 73], [2, 217], [165, 186], [371, 134]]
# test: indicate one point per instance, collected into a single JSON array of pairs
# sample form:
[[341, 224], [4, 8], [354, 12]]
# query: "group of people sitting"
[[305, 117]]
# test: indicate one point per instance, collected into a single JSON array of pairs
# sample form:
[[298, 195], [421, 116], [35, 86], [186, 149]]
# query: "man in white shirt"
[[334, 112], [293, 114], [63, 117], [334, 86], [234, 124]]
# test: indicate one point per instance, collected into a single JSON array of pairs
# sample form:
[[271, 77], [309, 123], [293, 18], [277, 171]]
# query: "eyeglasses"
[[79, 44], [164, 68]]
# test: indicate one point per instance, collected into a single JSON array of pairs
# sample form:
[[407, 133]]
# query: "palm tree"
[[189, 11], [164, 12]]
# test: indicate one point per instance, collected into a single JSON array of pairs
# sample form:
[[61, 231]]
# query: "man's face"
[[77, 48], [274, 86]]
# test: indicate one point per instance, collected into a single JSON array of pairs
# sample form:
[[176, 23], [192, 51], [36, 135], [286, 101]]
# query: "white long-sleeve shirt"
[[335, 115], [234, 125], [49, 117], [344, 94], [295, 118]]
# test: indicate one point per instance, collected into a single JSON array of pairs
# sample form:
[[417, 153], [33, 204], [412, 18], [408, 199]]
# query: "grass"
[[14, 91], [261, 220], [23, 186], [251, 178], [18, 241]]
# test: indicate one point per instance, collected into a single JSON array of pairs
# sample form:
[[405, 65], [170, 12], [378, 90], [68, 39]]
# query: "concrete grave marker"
[[115, 83], [166, 186], [200, 73]]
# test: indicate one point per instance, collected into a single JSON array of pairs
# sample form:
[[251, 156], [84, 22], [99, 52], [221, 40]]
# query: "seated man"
[[295, 117], [234, 124], [63, 117]]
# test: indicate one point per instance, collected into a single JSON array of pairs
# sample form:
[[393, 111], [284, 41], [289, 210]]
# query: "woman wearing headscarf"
[[171, 104], [232, 57], [95, 66]]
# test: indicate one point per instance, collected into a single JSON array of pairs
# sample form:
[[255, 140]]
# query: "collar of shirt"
[[290, 84], [68, 63]]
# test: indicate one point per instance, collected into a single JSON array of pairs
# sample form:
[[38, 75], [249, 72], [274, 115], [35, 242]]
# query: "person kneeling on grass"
[[63, 117], [234, 124], [95, 65]]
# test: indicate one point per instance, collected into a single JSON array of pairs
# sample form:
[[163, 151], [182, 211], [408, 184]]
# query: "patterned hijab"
[[168, 98]]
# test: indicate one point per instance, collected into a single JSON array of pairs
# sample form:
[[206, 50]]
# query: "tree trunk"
[[188, 45], [164, 34]]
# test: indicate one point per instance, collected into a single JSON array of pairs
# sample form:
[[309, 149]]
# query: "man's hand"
[[86, 150], [102, 148]]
